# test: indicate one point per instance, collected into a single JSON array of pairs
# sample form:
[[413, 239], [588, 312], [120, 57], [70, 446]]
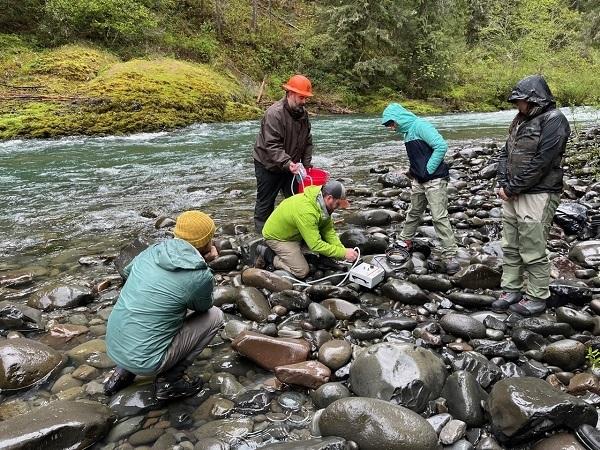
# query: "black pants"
[[268, 186]]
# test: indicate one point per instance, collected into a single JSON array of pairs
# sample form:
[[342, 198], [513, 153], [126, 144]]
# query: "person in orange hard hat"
[[283, 146]]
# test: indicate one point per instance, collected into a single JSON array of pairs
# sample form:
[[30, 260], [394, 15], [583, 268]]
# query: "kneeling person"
[[149, 331], [307, 217]]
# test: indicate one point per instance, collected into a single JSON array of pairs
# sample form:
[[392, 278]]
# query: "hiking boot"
[[452, 266], [589, 436], [505, 300], [166, 389], [529, 307], [120, 379]]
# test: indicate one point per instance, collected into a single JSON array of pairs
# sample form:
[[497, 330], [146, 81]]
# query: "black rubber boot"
[[589, 436], [120, 379], [505, 300]]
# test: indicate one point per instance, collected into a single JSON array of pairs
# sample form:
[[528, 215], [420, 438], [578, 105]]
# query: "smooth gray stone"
[[478, 276], [291, 300], [62, 297], [328, 393], [253, 305], [463, 326], [438, 421], [327, 443], [224, 263], [579, 320], [134, 400], [320, 317], [404, 292], [567, 354], [453, 431], [319, 292], [465, 397]]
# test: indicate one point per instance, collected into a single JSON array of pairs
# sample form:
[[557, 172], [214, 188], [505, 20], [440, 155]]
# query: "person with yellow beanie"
[[149, 330]]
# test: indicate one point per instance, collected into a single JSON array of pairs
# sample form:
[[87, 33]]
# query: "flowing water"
[[83, 196]]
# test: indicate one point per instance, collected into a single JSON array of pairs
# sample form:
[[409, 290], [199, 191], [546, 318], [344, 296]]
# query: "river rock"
[[263, 279], [24, 362], [310, 374], [404, 292], [320, 317], [478, 276], [342, 309], [211, 444], [92, 353], [583, 382], [562, 441], [569, 291], [465, 396], [224, 263], [434, 282], [395, 322], [545, 327], [129, 252], [523, 408], [234, 328], [14, 316], [327, 443], [328, 393], [253, 305], [567, 354], [528, 340], [223, 295], [490, 348], [269, 352], [484, 371], [68, 424], [227, 430], [368, 244], [394, 179], [133, 400], [376, 424], [401, 373], [319, 292], [586, 253], [335, 353], [463, 326], [62, 297], [452, 432], [291, 300], [579, 320], [471, 300], [370, 218]]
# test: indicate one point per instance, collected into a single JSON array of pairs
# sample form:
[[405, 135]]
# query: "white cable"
[[310, 283]]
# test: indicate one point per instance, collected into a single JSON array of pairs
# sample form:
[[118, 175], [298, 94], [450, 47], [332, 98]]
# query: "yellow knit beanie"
[[195, 227]]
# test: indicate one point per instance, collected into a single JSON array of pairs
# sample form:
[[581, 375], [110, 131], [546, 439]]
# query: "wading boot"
[[264, 257], [184, 386], [505, 300], [589, 436], [120, 379], [529, 306]]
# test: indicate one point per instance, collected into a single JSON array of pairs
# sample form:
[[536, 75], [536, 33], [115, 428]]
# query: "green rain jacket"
[[163, 282], [300, 217]]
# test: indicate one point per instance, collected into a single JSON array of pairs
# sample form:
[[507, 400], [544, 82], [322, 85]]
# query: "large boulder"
[[404, 374], [377, 424], [24, 362], [60, 424], [524, 408], [62, 297]]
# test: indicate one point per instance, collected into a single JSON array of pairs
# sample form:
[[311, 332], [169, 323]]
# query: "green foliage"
[[593, 358], [20, 15]]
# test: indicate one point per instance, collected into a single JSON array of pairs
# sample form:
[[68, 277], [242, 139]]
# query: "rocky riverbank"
[[420, 362]]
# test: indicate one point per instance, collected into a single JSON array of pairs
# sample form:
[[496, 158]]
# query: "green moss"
[[235, 112]]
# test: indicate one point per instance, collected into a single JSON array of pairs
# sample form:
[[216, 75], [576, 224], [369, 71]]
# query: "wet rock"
[[263, 279], [73, 425], [335, 353], [145, 436], [291, 300], [394, 179], [523, 408], [227, 430], [586, 253], [489, 348], [463, 326], [404, 292], [569, 291], [439, 421], [24, 362], [435, 282], [465, 397], [368, 244], [489, 171], [562, 441], [211, 444], [133, 400], [252, 402], [376, 424], [319, 292], [571, 217], [545, 327], [373, 217], [452, 432], [528, 340], [234, 328], [471, 300], [253, 304], [328, 393], [269, 352], [328, 443], [579, 320], [125, 428], [129, 252], [223, 295], [224, 263], [567, 354], [320, 317], [395, 322], [92, 353], [343, 310], [310, 374], [14, 316], [484, 371], [62, 297], [478, 276], [583, 382], [401, 373]]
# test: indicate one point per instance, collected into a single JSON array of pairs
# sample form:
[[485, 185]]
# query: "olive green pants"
[[525, 224], [434, 193]]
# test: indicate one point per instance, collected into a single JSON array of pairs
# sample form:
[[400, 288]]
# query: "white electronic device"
[[367, 275]]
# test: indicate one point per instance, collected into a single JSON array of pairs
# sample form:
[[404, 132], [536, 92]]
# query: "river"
[[83, 196]]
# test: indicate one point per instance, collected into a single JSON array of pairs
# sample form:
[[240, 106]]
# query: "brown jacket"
[[283, 139]]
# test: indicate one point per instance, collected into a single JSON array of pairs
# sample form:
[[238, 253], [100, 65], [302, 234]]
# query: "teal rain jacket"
[[425, 146], [163, 282]]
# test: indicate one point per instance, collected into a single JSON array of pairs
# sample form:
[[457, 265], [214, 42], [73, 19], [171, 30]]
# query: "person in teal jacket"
[[305, 217], [426, 149], [149, 330]]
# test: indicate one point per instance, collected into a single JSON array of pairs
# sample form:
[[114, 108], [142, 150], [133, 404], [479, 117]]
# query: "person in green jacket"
[[305, 217], [149, 330]]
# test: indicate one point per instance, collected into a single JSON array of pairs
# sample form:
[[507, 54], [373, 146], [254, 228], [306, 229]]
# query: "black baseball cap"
[[337, 191]]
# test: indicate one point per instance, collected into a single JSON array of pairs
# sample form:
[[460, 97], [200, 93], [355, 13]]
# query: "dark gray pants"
[[196, 333], [268, 186]]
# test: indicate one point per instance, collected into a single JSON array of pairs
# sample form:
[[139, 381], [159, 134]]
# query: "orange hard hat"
[[300, 85]]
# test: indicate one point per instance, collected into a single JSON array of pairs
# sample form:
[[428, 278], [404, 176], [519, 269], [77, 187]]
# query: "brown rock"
[[269, 352], [562, 441], [583, 382], [264, 279], [342, 309], [68, 331], [310, 374]]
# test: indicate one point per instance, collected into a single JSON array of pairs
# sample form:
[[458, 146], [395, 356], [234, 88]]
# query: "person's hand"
[[351, 255], [502, 194], [211, 254], [294, 167]]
